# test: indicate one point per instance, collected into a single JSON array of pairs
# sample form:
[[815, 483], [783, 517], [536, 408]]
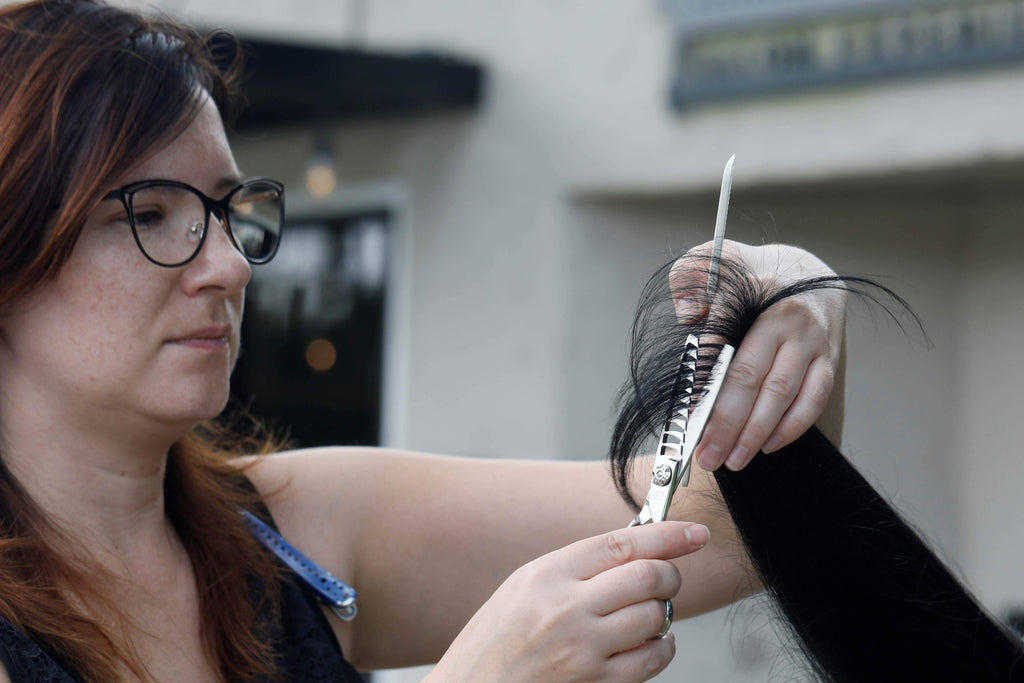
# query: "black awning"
[[300, 84]]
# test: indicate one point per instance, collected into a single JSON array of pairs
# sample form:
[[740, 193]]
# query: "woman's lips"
[[208, 338]]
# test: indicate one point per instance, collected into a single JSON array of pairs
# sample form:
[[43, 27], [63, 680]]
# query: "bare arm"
[[428, 539]]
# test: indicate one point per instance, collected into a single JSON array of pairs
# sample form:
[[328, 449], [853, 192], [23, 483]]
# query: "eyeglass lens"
[[170, 221], [256, 220]]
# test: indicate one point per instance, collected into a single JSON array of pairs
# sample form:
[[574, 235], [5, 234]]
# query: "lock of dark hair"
[[865, 597]]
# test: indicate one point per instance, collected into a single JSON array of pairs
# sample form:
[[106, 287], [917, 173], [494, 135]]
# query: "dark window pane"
[[312, 340]]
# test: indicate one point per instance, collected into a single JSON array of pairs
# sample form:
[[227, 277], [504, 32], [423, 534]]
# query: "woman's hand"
[[787, 368], [591, 611]]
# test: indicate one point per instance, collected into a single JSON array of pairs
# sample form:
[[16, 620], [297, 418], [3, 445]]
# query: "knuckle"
[[754, 435], [828, 378], [818, 389], [619, 546], [819, 393], [794, 426], [790, 306], [688, 271], [675, 580], [654, 613], [647, 576], [536, 573], [727, 420], [779, 386], [744, 374], [701, 250]]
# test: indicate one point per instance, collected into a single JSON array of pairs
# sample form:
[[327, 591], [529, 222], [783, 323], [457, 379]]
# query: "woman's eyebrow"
[[229, 182]]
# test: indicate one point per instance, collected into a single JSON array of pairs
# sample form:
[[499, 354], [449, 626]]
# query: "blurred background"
[[478, 189]]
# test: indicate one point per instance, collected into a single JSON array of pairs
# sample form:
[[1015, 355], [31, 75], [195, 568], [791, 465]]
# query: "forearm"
[[467, 524]]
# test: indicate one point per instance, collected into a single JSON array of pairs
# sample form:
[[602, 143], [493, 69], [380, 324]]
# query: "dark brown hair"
[[86, 91]]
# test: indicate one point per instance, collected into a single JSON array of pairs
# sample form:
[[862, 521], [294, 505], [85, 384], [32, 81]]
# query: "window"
[[312, 349]]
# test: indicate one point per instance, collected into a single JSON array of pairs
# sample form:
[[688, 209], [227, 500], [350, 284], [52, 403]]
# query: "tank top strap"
[[26, 661]]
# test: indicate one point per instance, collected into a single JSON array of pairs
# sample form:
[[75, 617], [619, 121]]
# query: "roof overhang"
[[292, 84]]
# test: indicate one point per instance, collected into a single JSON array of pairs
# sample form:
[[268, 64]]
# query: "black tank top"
[[307, 649]]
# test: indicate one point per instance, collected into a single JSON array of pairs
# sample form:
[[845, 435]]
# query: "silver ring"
[[668, 620]]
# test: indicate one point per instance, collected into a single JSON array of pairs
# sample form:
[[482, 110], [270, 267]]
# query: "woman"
[[125, 248]]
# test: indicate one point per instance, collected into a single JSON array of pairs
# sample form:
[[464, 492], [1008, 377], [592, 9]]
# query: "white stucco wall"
[[991, 468]]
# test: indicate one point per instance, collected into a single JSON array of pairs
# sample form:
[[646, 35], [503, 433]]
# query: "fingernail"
[[710, 457], [772, 444], [736, 458], [698, 535]]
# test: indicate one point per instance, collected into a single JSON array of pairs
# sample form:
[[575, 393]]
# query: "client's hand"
[[781, 379], [591, 611]]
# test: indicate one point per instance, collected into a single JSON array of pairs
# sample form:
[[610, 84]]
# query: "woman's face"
[[116, 342]]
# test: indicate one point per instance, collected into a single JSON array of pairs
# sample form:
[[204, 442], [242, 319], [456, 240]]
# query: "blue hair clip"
[[330, 590]]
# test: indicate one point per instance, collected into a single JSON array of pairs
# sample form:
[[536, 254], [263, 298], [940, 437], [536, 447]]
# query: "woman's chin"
[[184, 414]]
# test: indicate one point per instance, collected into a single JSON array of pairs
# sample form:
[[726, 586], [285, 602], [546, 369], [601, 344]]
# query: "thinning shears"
[[685, 423]]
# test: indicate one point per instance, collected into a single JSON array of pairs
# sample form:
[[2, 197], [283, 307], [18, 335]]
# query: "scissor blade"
[[673, 434], [669, 468], [672, 465], [702, 411]]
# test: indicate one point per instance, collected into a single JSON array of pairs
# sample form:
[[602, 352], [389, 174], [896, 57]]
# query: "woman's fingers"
[[764, 408], [643, 662], [631, 627], [777, 386], [628, 597], [663, 541], [778, 392], [806, 408], [633, 583], [739, 393], [593, 611]]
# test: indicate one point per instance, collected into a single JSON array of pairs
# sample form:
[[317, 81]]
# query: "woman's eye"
[[148, 218]]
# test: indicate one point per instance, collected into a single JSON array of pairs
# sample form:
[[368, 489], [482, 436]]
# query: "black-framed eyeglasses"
[[169, 219]]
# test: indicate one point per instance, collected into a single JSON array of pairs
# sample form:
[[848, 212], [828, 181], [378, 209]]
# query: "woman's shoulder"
[[296, 483]]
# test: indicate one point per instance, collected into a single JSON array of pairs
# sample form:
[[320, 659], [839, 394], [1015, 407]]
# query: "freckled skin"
[[91, 349]]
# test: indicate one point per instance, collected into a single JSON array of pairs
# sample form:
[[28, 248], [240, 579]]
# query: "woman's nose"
[[219, 263]]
